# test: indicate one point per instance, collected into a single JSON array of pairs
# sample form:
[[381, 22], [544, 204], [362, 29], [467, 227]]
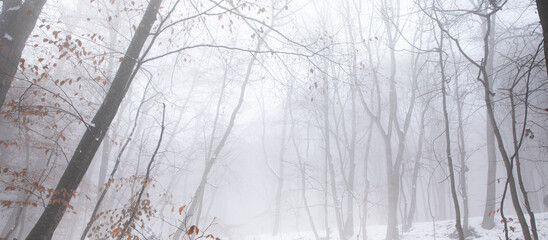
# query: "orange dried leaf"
[[192, 229], [181, 209], [116, 230]]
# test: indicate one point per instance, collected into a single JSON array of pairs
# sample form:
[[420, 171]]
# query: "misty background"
[[243, 118]]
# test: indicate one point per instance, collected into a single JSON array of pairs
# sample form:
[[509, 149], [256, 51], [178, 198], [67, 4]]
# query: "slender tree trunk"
[[104, 190], [498, 136], [458, 224], [302, 167], [462, 158], [488, 221], [280, 176], [95, 132], [393, 189], [508, 165], [135, 206], [487, 79], [517, 145], [394, 164], [351, 145], [349, 222], [414, 178], [329, 160], [16, 24], [366, 180]]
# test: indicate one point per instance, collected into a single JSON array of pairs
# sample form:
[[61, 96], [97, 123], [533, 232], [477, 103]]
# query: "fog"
[[169, 119]]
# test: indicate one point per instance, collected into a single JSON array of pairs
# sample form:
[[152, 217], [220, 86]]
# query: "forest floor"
[[426, 230]]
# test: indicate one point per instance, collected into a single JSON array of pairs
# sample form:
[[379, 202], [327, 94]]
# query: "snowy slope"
[[425, 230]]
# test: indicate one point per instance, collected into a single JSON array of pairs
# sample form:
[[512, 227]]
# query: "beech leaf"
[[116, 230]]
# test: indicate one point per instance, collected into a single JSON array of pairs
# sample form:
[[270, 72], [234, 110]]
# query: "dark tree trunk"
[[16, 23], [458, 224], [95, 132], [542, 9]]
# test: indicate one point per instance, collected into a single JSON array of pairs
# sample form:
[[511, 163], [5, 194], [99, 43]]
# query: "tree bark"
[[542, 9], [95, 131], [16, 24]]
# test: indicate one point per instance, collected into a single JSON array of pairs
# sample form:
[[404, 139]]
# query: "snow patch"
[[8, 37], [13, 8], [440, 230]]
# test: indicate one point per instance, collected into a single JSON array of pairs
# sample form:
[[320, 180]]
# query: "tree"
[[542, 9], [213, 158], [485, 79], [488, 221], [17, 21], [460, 98], [448, 140], [104, 190], [96, 130], [393, 128], [408, 223]]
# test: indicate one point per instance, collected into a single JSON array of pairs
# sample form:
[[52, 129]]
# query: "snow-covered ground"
[[425, 230]]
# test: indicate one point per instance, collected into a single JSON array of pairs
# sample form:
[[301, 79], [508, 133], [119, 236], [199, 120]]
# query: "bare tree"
[[104, 190], [488, 221], [460, 97], [485, 79], [448, 140], [200, 190], [95, 131], [392, 126], [134, 209], [408, 223]]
